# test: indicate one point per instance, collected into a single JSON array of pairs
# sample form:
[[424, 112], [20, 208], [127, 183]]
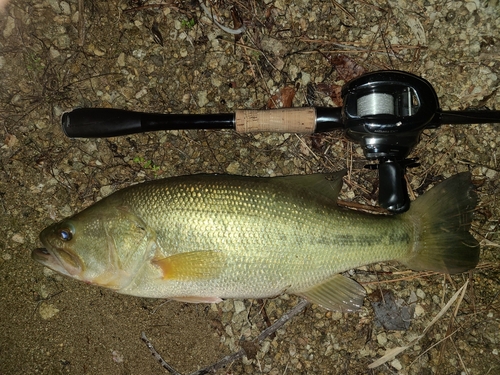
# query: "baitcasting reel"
[[385, 112]]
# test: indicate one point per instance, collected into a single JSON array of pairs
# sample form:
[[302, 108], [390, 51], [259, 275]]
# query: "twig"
[[344, 10], [263, 335], [81, 23], [158, 357], [281, 321], [234, 356], [148, 6]]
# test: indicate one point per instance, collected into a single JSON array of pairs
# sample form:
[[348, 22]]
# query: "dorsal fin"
[[327, 185]]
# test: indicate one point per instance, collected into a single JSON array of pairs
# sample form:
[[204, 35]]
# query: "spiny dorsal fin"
[[327, 185], [338, 294]]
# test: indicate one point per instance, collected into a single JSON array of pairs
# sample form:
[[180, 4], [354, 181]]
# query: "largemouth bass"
[[202, 238]]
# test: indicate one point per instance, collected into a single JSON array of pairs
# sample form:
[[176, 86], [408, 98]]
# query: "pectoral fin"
[[338, 293], [190, 266]]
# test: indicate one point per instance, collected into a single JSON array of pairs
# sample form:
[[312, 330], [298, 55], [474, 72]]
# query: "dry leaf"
[[333, 91], [283, 100], [347, 68]]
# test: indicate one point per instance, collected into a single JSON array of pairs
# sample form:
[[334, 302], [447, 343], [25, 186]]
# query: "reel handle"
[[393, 193]]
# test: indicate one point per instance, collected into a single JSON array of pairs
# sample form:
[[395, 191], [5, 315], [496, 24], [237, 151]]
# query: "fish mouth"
[[45, 257], [60, 261]]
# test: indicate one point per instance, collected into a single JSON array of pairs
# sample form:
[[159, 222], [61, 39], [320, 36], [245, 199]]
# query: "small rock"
[[202, 98], [106, 190], [396, 364], [18, 238], [75, 18], [272, 45], [54, 4], [47, 311], [382, 338], [121, 60], [225, 306], [239, 306], [117, 356], [62, 41], [99, 52], [141, 93], [420, 294], [10, 24], [44, 291], [65, 8], [419, 311], [54, 53], [10, 140], [233, 168]]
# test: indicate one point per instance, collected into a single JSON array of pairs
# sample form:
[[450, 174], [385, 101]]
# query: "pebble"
[[202, 98], [47, 310], [10, 24], [233, 167], [420, 294], [55, 5], [396, 364], [65, 8], [382, 338], [419, 311], [239, 306], [54, 53], [18, 238], [121, 60], [106, 190]]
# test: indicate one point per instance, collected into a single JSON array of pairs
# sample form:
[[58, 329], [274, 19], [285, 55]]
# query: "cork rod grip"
[[285, 120]]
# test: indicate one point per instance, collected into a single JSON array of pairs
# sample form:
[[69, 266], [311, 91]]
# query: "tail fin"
[[442, 219]]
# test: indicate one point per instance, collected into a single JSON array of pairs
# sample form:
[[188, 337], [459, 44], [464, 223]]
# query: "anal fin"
[[196, 299], [338, 294]]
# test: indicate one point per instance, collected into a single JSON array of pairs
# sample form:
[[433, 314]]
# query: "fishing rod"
[[384, 111]]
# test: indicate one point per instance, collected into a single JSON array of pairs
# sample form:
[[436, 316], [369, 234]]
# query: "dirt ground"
[[170, 57]]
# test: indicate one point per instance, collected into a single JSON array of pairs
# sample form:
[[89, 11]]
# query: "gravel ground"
[[171, 57]]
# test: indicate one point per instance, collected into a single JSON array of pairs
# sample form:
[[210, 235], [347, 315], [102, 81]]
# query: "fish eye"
[[66, 234]]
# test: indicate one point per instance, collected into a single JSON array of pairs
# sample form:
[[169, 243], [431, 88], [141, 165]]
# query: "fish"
[[205, 238]]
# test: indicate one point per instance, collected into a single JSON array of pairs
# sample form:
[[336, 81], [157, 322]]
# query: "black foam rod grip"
[[109, 122], [100, 122]]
